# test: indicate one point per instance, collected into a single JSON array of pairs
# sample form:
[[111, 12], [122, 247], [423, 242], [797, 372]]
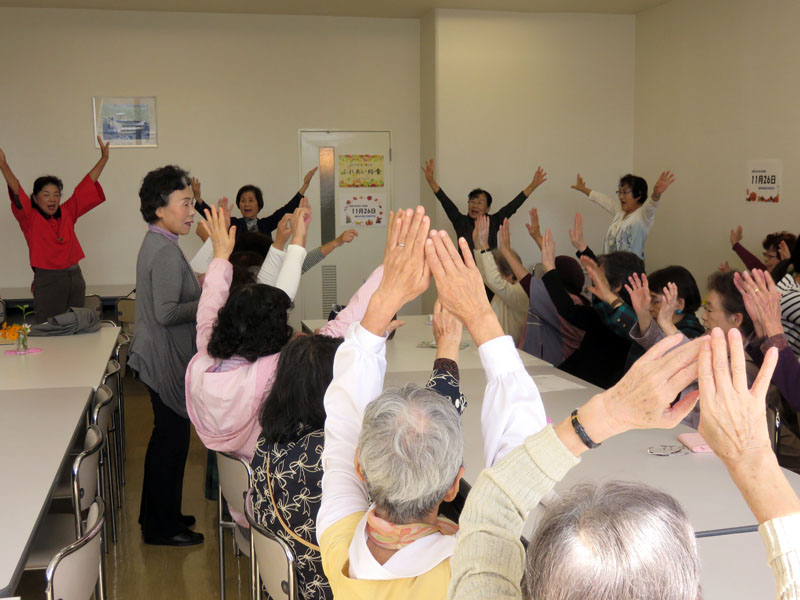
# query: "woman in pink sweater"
[[240, 334]]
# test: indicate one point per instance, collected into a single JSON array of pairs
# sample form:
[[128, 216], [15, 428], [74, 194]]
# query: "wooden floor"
[[136, 570]]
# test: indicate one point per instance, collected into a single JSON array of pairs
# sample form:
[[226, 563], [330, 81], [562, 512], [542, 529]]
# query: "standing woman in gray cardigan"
[[167, 293]]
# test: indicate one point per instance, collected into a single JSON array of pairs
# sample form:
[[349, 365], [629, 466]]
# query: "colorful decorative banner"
[[362, 210], [764, 180], [360, 170]]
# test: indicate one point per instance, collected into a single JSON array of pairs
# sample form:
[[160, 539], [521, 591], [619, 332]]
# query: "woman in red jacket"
[[49, 228]]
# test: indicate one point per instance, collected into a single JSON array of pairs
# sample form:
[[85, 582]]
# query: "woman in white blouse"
[[633, 215]]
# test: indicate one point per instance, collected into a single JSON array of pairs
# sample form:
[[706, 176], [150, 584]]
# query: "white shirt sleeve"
[[648, 211], [202, 259], [358, 371], [607, 203], [268, 274], [289, 278], [512, 407]]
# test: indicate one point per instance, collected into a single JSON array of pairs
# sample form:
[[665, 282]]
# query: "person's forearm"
[[94, 174], [517, 267], [380, 312], [484, 326], [330, 246], [11, 179], [748, 258], [763, 485], [434, 186], [645, 318]]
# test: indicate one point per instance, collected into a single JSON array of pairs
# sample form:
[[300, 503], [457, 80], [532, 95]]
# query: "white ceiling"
[[348, 8]]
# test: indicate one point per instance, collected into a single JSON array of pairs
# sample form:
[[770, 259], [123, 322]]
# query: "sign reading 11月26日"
[[764, 180]]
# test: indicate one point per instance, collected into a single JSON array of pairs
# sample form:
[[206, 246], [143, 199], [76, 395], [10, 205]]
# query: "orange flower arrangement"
[[10, 332]]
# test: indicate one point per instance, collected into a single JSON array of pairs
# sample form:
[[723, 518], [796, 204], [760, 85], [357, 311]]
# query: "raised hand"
[[225, 210], [480, 234], [533, 228], [724, 267], [580, 185], [223, 239], [347, 236], [97, 169], [103, 148], [762, 300], [283, 231], [405, 273], [599, 287], [736, 235], [299, 225], [548, 251], [427, 169], [307, 180], [538, 179], [460, 286], [447, 331], [733, 417], [576, 234], [670, 304], [784, 253], [504, 236], [639, 291], [665, 180], [196, 192], [304, 203]]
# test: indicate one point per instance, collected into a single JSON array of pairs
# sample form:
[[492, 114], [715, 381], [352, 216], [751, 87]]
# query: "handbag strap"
[[283, 523]]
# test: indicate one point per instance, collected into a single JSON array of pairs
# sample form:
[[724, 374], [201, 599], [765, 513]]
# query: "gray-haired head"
[[619, 540], [410, 450], [503, 266]]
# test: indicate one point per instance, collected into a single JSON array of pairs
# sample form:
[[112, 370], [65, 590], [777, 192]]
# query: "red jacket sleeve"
[[86, 196]]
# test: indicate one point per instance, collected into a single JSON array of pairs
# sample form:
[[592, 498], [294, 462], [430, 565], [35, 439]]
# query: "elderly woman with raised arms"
[[392, 457], [574, 552]]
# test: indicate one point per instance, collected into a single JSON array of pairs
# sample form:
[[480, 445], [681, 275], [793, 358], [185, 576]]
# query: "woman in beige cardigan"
[[489, 561]]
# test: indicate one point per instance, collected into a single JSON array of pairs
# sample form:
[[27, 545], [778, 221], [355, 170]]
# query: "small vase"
[[22, 342]]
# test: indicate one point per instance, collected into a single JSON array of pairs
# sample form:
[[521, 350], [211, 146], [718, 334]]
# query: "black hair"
[[732, 301], [571, 274], [253, 323], [47, 180], [253, 241], [251, 188], [245, 267], [618, 266], [773, 240], [294, 404], [156, 188], [638, 186], [477, 192], [681, 277]]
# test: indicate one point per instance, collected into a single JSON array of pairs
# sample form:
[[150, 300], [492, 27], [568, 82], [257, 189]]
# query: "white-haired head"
[[410, 451]]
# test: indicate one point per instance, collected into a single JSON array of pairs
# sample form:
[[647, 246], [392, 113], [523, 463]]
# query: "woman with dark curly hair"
[[167, 293], [240, 334]]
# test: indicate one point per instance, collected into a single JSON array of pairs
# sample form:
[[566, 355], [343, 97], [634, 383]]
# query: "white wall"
[[514, 91], [716, 85], [232, 93]]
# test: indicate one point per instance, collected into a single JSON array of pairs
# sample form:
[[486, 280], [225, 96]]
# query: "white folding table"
[[37, 430]]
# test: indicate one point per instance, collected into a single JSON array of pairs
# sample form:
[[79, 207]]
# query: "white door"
[[335, 152]]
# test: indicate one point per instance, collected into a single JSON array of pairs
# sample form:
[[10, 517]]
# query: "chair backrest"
[[2, 310], [121, 351], [72, 573], [274, 557], [235, 478], [94, 302], [111, 379], [101, 407], [126, 314], [84, 473]]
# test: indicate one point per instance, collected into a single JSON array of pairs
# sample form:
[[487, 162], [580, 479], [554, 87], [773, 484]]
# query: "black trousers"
[[55, 291], [164, 466]]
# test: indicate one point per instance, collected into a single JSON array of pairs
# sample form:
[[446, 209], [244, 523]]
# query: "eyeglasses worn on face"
[[623, 192]]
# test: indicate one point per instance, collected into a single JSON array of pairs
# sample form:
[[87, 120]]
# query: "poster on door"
[[764, 180], [361, 210], [360, 171]]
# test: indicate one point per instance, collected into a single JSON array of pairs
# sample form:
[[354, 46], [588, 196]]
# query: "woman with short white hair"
[[391, 458]]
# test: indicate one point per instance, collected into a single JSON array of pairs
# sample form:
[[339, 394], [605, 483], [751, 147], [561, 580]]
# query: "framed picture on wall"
[[126, 121]]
